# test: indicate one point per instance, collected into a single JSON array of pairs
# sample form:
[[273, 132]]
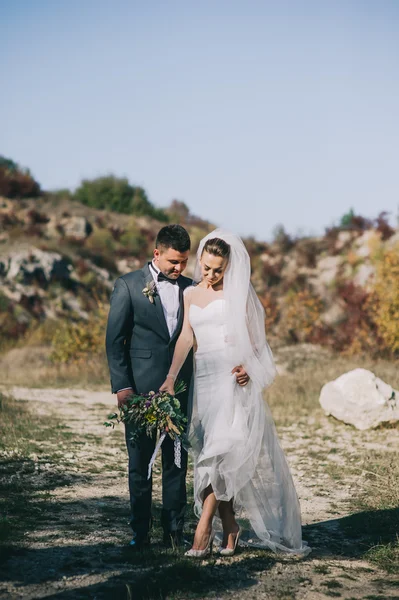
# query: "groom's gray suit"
[[140, 351]]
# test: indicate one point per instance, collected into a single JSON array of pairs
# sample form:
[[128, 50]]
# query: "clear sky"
[[252, 112]]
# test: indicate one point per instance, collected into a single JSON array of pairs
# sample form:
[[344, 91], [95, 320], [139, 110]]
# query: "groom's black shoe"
[[175, 539]]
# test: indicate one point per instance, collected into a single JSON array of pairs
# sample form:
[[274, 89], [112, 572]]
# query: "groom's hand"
[[123, 395], [242, 376]]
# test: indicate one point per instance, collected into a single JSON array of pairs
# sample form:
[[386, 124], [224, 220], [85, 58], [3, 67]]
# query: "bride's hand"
[[168, 386], [242, 376]]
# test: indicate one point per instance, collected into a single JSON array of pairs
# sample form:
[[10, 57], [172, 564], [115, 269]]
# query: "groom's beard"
[[170, 272]]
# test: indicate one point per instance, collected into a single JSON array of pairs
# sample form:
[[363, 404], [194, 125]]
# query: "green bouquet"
[[152, 412]]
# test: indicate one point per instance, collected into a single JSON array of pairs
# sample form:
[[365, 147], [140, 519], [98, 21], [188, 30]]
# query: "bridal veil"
[[237, 443]]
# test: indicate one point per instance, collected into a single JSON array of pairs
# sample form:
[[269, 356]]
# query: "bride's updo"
[[217, 247]]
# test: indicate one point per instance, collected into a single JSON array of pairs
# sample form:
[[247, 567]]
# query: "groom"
[[142, 331], [141, 336]]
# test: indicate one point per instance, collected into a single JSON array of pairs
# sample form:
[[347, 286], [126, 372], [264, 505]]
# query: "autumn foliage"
[[16, 182], [302, 316], [384, 302], [73, 342]]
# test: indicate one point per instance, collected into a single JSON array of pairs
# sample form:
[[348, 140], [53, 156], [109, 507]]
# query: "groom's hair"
[[173, 236]]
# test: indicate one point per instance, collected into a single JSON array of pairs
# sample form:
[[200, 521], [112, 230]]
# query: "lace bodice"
[[208, 324]]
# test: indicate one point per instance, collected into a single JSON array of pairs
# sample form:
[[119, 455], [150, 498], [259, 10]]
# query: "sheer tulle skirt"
[[236, 450]]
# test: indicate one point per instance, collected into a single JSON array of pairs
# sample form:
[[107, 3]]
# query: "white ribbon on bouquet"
[[177, 452]]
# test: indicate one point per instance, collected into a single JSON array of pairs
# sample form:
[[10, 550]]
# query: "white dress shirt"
[[170, 300], [169, 294]]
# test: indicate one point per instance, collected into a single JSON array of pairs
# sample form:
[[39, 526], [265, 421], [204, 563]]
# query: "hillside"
[[64, 507], [59, 258]]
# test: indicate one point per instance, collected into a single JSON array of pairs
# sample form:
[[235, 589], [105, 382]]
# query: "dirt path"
[[75, 549]]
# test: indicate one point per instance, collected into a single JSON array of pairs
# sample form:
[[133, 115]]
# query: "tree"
[[117, 194], [347, 218]]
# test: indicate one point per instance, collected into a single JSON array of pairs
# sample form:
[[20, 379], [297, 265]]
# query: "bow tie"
[[162, 277]]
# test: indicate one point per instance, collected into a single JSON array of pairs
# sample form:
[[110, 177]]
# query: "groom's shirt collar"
[[153, 267], [170, 298]]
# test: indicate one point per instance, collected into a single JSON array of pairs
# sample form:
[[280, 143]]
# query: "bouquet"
[[150, 413]]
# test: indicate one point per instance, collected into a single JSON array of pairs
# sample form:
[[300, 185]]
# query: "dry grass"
[[30, 467], [82, 498], [31, 366], [305, 369], [294, 397]]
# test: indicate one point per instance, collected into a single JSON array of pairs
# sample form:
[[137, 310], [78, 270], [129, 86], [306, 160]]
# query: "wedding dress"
[[232, 436]]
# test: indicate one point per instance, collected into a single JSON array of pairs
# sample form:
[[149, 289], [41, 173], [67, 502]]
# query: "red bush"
[[382, 225], [17, 184], [358, 332]]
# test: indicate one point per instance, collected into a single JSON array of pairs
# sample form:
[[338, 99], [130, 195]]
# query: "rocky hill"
[[59, 258]]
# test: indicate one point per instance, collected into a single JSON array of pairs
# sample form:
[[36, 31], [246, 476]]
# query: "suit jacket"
[[139, 347]]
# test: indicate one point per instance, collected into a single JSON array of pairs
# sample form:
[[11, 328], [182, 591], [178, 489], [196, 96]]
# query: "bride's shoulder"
[[191, 291]]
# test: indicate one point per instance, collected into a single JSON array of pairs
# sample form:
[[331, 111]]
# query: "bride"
[[243, 488]]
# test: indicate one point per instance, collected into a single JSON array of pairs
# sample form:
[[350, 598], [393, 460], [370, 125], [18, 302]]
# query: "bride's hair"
[[217, 247]]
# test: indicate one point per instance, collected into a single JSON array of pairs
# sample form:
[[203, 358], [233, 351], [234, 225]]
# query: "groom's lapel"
[[157, 305]]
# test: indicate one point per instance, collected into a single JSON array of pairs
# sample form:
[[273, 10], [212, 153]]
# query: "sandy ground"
[[77, 550]]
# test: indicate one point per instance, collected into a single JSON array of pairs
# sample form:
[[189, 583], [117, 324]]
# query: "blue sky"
[[253, 113]]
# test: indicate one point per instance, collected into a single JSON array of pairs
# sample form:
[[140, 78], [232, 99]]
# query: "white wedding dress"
[[234, 441]]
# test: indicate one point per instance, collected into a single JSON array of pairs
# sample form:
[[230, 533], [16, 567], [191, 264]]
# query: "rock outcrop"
[[38, 284], [35, 266]]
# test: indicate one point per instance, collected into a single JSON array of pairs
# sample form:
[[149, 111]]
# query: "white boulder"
[[361, 399]]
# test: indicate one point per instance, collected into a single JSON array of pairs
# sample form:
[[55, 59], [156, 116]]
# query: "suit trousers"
[[174, 497]]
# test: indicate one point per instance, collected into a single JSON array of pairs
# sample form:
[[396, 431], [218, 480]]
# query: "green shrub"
[[116, 194], [4, 302], [346, 219]]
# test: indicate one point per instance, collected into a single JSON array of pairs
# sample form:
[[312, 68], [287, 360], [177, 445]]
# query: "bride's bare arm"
[[182, 348]]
